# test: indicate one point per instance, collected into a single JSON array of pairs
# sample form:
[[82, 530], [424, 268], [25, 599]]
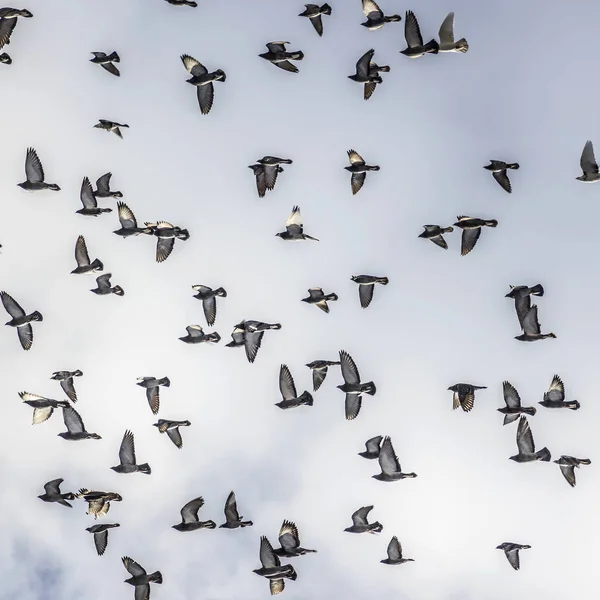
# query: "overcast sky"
[[519, 94]]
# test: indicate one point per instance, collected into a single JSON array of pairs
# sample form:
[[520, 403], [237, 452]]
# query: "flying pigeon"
[[498, 169], [52, 493], [360, 523], [414, 39], [447, 43], [314, 12], [389, 465], [464, 395], [290, 541], [83, 259], [471, 227], [278, 56], [512, 553], [288, 391], [394, 553], [100, 533], [531, 327], [567, 466], [127, 457], [34, 172], [526, 445], [317, 297], [189, 517], [588, 163], [513, 407], [435, 233], [111, 126], [366, 287], [203, 80], [209, 301], [272, 569], [104, 288], [359, 169], [20, 319], [375, 17], [352, 386], [319, 371], [106, 61], [172, 430], [294, 230], [233, 520], [555, 396], [66, 382]]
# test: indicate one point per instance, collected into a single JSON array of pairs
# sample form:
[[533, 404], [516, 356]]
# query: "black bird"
[[314, 12], [555, 396], [394, 553], [100, 532], [66, 382], [521, 294], [414, 39], [111, 126], [290, 541], [366, 287], [352, 386], [106, 62], [294, 229], [358, 168], [271, 168], [53, 493], [8, 22], [196, 335], [526, 445], [511, 551], [83, 259], [278, 56], [20, 319], [152, 390], [75, 427], [389, 464], [104, 288], [127, 457], [367, 74], [233, 520], [319, 371], [189, 517], [128, 222], [261, 178], [209, 301], [317, 297], [191, 3], [531, 327], [464, 395], [103, 188], [90, 204], [43, 408], [588, 164], [166, 234], [287, 387], [374, 70], [5, 59], [203, 80], [435, 233], [498, 169], [272, 569], [567, 466], [513, 407], [34, 172], [360, 523], [375, 17], [373, 447], [140, 579], [172, 430], [471, 227]]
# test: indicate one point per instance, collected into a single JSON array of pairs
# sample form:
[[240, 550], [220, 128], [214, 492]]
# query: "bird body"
[[209, 301], [526, 445], [52, 493], [278, 56], [521, 294], [196, 335], [127, 457], [513, 407], [352, 386], [20, 319], [414, 39], [471, 227], [511, 550], [435, 233], [388, 462], [287, 387], [360, 523], [317, 297], [555, 396], [84, 266], [166, 234], [104, 288], [233, 520]]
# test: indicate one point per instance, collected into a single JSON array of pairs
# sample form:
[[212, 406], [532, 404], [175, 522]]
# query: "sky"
[[432, 125]]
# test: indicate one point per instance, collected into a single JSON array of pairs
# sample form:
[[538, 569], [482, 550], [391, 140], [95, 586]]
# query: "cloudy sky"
[[432, 125]]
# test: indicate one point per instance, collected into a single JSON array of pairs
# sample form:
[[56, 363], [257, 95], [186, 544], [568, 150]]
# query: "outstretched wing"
[[286, 384]]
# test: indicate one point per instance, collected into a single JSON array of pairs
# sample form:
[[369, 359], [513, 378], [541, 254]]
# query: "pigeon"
[[75, 427], [12, 13], [209, 301], [128, 222], [567, 466], [414, 39], [83, 259], [103, 188], [588, 163], [90, 204], [290, 541], [374, 70], [352, 386], [288, 391], [203, 80], [314, 12], [5, 59], [555, 396], [20, 319], [166, 234], [103, 289], [532, 327], [271, 168], [172, 430], [389, 465], [66, 382], [152, 392], [238, 337], [521, 294], [8, 22], [359, 169], [394, 552], [189, 517], [272, 569], [316, 296], [140, 579], [435, 234], [471, 227], [34, 172], [526, 445], [319, 371], [278, 56], [111, 126], [42, 407], [512, 553], [498, 169], [464, 395], [294, 230], [372, 448], [252, 332], [127, 457], [360, 523], [98, 502], [191, 3], [233, 520], [375, 17], [513, 407], [100, 532], [367, 72], [196, 335], [366, 287], [53, 493], [261, 179], [447, 43], [106, 61]]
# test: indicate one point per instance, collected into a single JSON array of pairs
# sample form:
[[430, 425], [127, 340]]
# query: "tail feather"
[[98, 264], [164, 381], [513, 166], [573, 405], [376, 527], [331, 297], [383, 280], [492, 223], [114, 57], [543, 455], [210, 525], [325, 9], [276, 326], [585, 461], [307, 399], [36, 315], [537, 290], [371, 389], [156, 577], [298, 55], [54, 187], [393, 19], [448, 229], [432, 47], [77, 373], [221, 292], [530, 410], [384, 69], [145, 468], [118, 290], [222, 74], [246, 524]]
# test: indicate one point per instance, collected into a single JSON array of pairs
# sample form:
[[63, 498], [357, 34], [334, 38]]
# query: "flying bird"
[[90, 204], [394, 554], [196, 335], [498, 169], [272, 569], [511, 551], [52, 493], [367, 72], [373, 447], [233, 520], [314, 12], [189, 517], [317, 297], [66, 382], [532, 328], [42, 407], [20, 319], [111, 126], [464, 395], [287, 387], [127, 457], [140, 579], [435, 233], [152, 390], [471, 227], [414, 39], [104, 288], [389, 464], [375, 17], [555, 396], [526, 445], [294, 230], [75, 427], [447, 43], [278, 56], [261, 178], [83, 259], [359, 169], [100, 533], [172, 430], [129, 226], [98, 501], [250, 341], [588, 163], [209, 301], [513, 407], [521, 294], [190, 3], [106, 61], [319, 371], [352, 386], [166, 234], [203, 80], [271, 168], [34, 172], [366, 287], [103, 188], [8, 22], [360, 522], [290, 541], [567, 466]]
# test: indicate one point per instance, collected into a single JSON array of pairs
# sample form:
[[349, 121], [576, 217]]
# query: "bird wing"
[[388, 461], [365, 293], [142, 592], [317, 24], [525, 442], [209, 306], [73, 420], [276, 46], [370, 6], [588, 161], [362, 69], [318, 377], [315, 293], [412, 31], [126, 216], [531, 325], [568, 472], [252, 342], [25, 334], [502, 178], [352, 406], [354, 156], [468, 240], [12, 307], [359, 517], [369, 89], [103, 183], [87, 194], [231, 511], [286, 65], [189, 512], [6, 29], [69, 389], [267, 557], [513, 558], [127, 449], [288, 536], [205, 94], [261, 182], [556, 391], [357, 180], [53, 487], [175, 436], [511, 396], [522, 306], [111, 69], [439, 241], [103, 281], [295, 218], [276, 586], [270, 173], [394, 549], [467, 400], [164, 247], [101, 541], [372, 445], [134, 568], [286, 384], [153, 397], [81, 253], [349, 368], [194, 67], [33, 165], [447, 30]]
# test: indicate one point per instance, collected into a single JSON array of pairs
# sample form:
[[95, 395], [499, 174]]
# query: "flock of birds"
[[249, 333]]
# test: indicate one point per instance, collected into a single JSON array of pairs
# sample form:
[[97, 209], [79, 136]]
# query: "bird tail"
[[213, 337], [537, 290], [383, 280], [192, 3], [462, 45], [275, 326], [530, 410], [183, 234], [543, 455], [574, 405], [145, 469], [512, 166], [156, 577], [164, 381], [106, 210], [370, 388], [384, 69], [71, 495], [210, 525], [118, 290], [221, 292], [492, 223], [447, 229], [310, 237], [306, 398], [54, 187], [376, 527], [26, 13], [77, 373], [325, 9], [292, 573], [246, 523], [432, 47], [393, 19], [331, 297], [114, 57], [36, 315], [553, 335], [221, 74], [297, 55], [98, 264]]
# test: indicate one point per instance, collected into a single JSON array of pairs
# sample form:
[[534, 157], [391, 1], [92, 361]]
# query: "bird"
[[366, 287], [394, 553], [414, 40], [290, 541], [111, 126], [498, 169], [567, 466], [75, 427], [104, 288], [389, 465], [196, 335], [513, 407], [189, 517], [152, 390], [66, 382], [129, 226], [314, 12], [190, 3], [447, 43], [90, 204], [360, 523], [588, 164], [52, 493], [287, 388], [294, 230], [319, 371], [359, 169], [127, 457], [526, 445], [172, 430], [272, 569], [555, 396], [140, 578], [261, 180], [375, 17], [166, 234], [521, 294], [5, 59], [316, 296], [103, 188], [106, 61], [471, 227], [209, 301], [100, 532], [8, 22], [238, 338], [464, 395], [34, 172], [435, 233], [271, 167], [374, 71], [42, 407], [352, 386], [373, 447], [233, 520], [203, 80], [511, 550], [251, 332], [98, 501], [83, 259], [20, 319], [367, 72], [278, 56], [532, 328]]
